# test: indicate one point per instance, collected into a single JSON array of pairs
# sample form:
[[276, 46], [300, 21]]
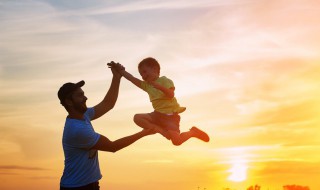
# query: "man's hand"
[[148, 132], [116, 68]]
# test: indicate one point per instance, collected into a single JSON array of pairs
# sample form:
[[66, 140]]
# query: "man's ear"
[[68, 102]]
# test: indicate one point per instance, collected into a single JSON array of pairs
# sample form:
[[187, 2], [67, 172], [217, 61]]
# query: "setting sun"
[[238, 172]]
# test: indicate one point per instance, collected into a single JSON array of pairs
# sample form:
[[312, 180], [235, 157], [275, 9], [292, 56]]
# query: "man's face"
[[79, 100]]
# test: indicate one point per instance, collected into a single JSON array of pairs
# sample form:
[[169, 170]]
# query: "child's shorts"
[[168, 122]]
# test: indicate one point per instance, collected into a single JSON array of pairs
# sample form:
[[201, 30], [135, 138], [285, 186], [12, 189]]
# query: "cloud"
[[295, 124], [23, 141], [158, 161], [157, 5], [8, 173], [289, 114], [256, 31], [17, 167], [42, 177], [17, 170], [291, 168]]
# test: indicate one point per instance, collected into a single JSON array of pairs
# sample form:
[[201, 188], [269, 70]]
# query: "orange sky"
[[247, 71]]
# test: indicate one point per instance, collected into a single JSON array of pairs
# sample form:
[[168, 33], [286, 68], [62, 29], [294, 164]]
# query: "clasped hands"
[[116, 68]]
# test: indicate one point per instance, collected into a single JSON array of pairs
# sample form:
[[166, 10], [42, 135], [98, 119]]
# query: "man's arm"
[[111, 97], [105, 144]]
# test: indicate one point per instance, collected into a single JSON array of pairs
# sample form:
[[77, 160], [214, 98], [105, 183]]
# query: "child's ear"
[[156, 70]]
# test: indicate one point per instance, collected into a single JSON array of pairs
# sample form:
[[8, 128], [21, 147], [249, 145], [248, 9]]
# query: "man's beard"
[[81, 108]]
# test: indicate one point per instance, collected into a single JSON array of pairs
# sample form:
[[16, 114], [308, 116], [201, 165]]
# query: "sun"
[[238, 172]]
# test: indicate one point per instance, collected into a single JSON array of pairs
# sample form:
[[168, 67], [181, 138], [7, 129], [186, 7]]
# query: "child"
[[165, 118]]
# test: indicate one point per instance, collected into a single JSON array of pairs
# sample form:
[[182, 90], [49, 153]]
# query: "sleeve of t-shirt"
[[144, 85], [86, 137], [168, 83], [89, 113]]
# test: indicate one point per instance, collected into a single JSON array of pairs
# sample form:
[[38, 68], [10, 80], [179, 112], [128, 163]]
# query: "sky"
[[247, 71]]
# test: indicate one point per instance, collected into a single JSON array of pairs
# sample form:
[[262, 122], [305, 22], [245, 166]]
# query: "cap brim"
[[80, 84]]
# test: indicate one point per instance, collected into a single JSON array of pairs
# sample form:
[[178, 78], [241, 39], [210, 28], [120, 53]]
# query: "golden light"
[[238, 172]]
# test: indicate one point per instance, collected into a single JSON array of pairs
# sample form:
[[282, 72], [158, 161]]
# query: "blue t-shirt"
[[81, 165]]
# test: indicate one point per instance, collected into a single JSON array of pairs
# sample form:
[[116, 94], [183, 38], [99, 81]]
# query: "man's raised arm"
[[111, 97]]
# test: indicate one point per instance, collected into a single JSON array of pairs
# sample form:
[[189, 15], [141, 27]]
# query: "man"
[[80, 141]]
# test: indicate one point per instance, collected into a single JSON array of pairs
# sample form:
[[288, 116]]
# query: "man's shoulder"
[[78, 123], [73, 125], [89, 114]]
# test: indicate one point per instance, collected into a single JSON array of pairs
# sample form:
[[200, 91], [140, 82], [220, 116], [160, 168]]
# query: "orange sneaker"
[[200, 134]]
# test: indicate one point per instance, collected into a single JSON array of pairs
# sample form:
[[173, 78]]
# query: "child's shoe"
[[200, 134]]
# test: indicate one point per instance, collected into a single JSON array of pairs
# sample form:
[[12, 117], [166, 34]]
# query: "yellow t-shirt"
[[159, 101]]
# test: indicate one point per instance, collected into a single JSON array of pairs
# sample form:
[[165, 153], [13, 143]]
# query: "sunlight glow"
[[238, 172]]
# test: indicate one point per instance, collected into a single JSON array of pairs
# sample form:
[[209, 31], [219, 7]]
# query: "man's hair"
[[149, 62], [66, 91]]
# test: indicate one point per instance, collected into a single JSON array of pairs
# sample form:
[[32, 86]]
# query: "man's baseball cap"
[[67, 89]]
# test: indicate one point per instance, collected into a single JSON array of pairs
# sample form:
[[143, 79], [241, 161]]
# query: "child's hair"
[[149, 62]]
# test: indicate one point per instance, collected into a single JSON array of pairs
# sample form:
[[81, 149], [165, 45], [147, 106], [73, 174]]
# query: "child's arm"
[[125, 74], [169, 92], [131, 78]]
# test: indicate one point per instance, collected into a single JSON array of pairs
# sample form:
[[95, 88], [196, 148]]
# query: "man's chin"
[[85, 109]]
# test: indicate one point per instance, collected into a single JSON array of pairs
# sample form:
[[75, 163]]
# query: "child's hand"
[[116, 66], [169, 92], [155, 84], [111, 64]]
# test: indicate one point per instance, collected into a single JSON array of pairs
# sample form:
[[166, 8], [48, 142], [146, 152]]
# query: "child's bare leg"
[[145, 121], [177, 138]]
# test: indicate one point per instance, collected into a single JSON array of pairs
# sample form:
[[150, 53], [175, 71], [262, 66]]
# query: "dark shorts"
[[91, 186], [168, 122]]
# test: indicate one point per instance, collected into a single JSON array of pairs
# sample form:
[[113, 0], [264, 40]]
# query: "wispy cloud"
[[18, 170], [17, 167], [158, 161], [282, 167], [43, 177], [135, 6]]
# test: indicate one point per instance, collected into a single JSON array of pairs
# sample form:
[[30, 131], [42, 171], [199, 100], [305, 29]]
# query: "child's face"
[[148, 73]]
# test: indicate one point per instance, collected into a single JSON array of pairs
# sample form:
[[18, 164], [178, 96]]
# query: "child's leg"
[[145, 121], [199, 134], [179, 138]]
